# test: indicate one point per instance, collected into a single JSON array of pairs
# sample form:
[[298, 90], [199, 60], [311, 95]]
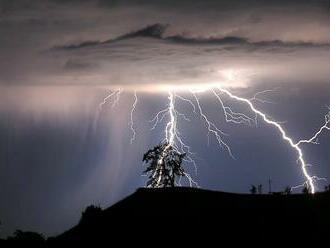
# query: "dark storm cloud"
[[204, 36], [157, 31], [73, 65], [149, 55]]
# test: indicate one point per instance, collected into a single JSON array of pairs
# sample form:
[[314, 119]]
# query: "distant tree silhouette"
[[253, 189], [327, 188], [20, 235], [306, 190], [164, 164], [260, 189], [90, 214], [287, 190]]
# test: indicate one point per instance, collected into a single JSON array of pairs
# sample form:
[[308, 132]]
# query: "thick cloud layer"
[[148, 56], [120, 42]]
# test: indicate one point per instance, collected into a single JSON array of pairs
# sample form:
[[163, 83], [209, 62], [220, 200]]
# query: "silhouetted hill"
[[196, 214]]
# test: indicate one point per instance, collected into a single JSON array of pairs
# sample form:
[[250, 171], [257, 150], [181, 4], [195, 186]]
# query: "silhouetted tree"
[[164, 164], [260, 189], [20, 235], [253, 189], [327, 188], [90, 214], [287, 190], [306, 190]]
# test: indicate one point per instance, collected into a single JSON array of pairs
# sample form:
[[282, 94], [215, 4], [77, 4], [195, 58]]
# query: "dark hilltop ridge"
[[196, 214]]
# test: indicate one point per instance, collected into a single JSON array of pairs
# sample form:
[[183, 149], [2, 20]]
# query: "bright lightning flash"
[[285, 137], [132, 121], [175, 140], [172, 135]]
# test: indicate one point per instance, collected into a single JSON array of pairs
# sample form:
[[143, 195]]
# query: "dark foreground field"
[[191, 214]]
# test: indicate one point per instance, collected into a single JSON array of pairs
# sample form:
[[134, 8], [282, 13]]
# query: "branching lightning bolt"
[[232, 116], [174, 139], [258, 99], [112, 97], [172, 134], [309, 179], [131, 120], [212, 128], [313, 139]]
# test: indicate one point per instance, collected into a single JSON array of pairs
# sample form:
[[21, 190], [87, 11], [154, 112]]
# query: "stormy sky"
[[59, 59]]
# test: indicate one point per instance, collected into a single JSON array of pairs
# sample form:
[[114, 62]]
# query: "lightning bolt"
[[232, 116], [173, 137], [313, 139], [175, 140], [295, 146], [258, 99], [113, 97], [117, 97], [131, 120], [212, 128], [171, 126]]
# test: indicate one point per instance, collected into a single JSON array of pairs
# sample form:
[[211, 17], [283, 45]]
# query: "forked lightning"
[[173, 137]]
